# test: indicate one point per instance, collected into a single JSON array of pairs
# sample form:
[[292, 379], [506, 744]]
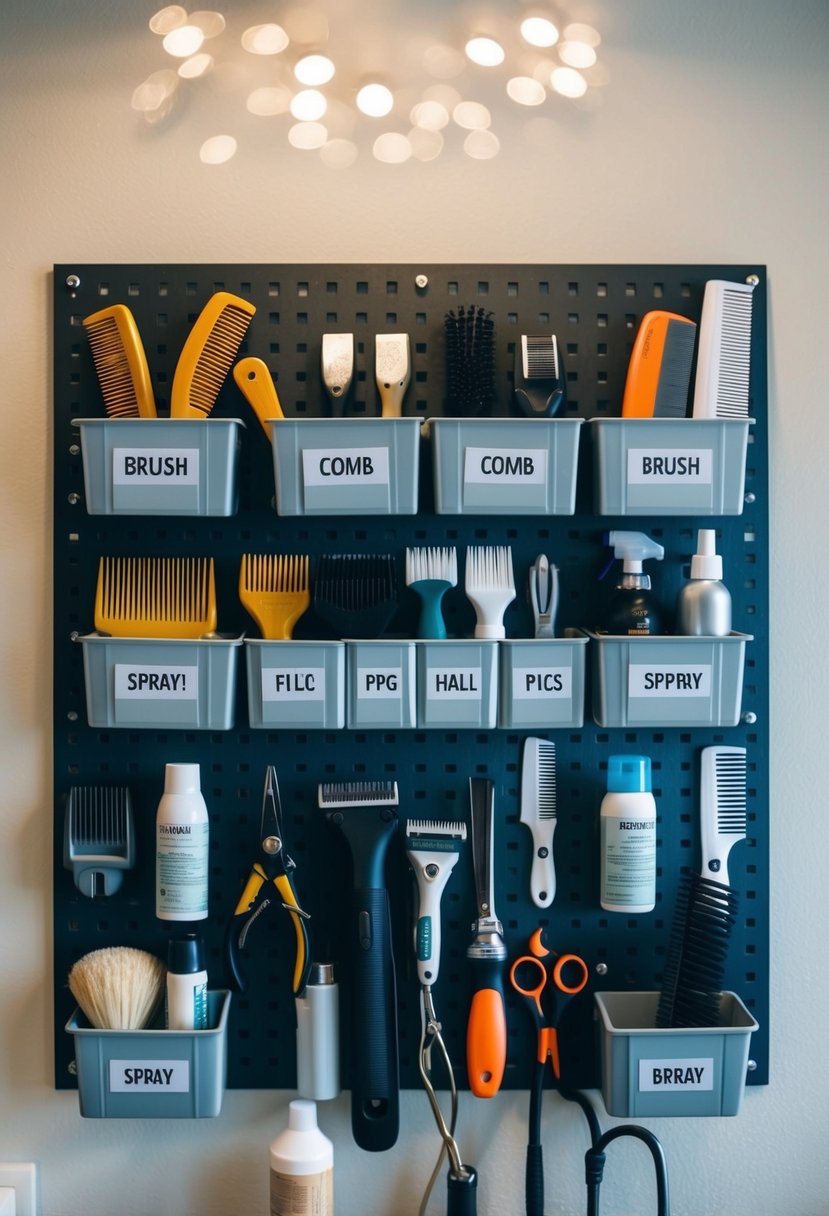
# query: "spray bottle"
[[703, 606], [632, 610]]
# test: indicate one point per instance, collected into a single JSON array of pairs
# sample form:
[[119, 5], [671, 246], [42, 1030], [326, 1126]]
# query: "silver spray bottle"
[[704, 603]]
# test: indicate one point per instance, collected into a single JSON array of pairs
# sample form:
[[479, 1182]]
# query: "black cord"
[[594, 1162]]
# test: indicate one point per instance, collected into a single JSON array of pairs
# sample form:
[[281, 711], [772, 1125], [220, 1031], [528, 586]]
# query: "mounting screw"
[[751, 1066], [72, 716], [73, 499], [752, 279], [73, 449], [750, 717], [72, 1068], [601, 968], [749, 498], [73, 282], [421, 281]]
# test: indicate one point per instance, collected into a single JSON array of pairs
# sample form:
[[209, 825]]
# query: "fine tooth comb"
[[724, 357], [121, 364], [274, 590], [356, 594], [470, 361], [256, 384], [98, 838], [538, 375], [337, 366], [393, 371], [489, 587], [538, 813], [206, 356], [156, 597], [431, 572], [659, 370]]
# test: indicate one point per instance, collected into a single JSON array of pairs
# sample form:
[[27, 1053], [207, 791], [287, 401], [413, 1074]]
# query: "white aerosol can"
[[628, 837], [182, 840]]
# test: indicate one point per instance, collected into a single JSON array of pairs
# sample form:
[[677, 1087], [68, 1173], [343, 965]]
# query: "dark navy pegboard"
[[595, 311]]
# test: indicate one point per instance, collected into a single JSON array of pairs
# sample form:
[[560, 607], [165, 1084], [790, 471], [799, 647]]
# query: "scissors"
[[547, 982], [273, 870]]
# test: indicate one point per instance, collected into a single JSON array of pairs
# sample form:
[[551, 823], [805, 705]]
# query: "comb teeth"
[[156, 592], [540, 357], [218, 353], [730, 780], [271, 572], [546, 779], [704, 916], [355, 581], [99, 818], [675, 370], [120, 363], [357, 793], [724, 357], [435, 827]]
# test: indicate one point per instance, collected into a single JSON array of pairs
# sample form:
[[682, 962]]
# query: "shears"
[[274, 869], [547, 982]]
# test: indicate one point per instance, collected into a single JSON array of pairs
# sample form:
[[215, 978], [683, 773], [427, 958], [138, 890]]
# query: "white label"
[[139, 683], [541, 683], [656, 1076], [454, 683], [485, 466], [669, 680], [301, 684], [349, 467], [670, 466], [149, 1076], [376, 682], [152, 466]]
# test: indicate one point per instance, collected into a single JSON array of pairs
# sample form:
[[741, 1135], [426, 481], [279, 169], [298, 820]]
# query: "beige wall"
[[709, 145]]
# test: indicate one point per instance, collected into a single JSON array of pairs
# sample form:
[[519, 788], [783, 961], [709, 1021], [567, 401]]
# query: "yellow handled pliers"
[[275, 868]]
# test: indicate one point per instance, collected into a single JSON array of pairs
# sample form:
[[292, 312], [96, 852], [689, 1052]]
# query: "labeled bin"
[[295, 684], [648, 1070], [667, 681], [380, 683], [152, 1074], [541, 682], [669, 466], [186, 684], [457, 683], [497, 466], [160, 466], [346, 466]]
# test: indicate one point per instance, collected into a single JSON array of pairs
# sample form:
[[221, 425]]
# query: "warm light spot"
[[183, 41], [265, 39], [392, 148], [196, 66], [539, 31], [308, 105], [210, 24], [154, 91], [582, 33], [429, 115], [338, 153], [314, 70], [568, 82], [481, 145], [268, 101], [577, 54], [426, 144], [218, 150], [307, 135], [472, 115], [485, 51], [526, 91], [443, 61], [167, 19], [375, 100]]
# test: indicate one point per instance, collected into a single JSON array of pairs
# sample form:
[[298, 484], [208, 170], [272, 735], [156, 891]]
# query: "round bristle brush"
[[118, 987]]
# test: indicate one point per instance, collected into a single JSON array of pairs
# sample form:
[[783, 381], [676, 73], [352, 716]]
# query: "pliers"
[[275, 867]]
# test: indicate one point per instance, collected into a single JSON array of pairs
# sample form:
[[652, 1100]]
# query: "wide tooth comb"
[[274, 590], [205, 359], [121, 364], [356, 594], [156, 597]]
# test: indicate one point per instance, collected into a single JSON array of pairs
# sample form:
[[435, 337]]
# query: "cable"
[[594, 1163]]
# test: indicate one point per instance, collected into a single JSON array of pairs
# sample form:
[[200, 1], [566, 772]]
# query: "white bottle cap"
[[706, 562], [182, 779], [302, 1115]]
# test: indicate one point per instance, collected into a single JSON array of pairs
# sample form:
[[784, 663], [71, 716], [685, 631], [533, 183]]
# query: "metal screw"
[[72, 715], [750, 498], [73, 499], [72, 1068], [73, 282], [421, 281], [601, 968], [751, 1065], [752, 279], [750, 717]]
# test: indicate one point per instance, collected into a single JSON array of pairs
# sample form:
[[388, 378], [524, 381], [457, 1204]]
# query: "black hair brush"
[[470, 361]]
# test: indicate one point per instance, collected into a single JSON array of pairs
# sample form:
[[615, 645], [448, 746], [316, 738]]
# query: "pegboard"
[[595, 312]]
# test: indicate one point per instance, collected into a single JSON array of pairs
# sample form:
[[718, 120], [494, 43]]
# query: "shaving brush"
[[118, 987]]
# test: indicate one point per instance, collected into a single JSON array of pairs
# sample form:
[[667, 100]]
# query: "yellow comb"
[[155, 597], [120, 362], [255, 381], [206, 356], [275, 591]]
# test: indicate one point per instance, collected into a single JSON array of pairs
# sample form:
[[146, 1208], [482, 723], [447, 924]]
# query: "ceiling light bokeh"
[[486, 52]]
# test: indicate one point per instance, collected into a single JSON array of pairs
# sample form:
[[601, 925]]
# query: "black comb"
[[356, 594]]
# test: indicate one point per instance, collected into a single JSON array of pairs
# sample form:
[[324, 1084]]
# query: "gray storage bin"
[[457, 683], [380, 683], [650, 1071], [667, 681], [541, 682], [160, 466], [497, 466], [189, 1068], [669, 466], [346, 466], [295, 684], [186, 684]]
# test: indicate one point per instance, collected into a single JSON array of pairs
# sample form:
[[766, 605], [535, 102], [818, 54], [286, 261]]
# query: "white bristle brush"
[[118, 987]]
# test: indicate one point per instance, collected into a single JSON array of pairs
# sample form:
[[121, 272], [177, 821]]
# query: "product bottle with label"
[[186, 984], [632, 611], [628, 837], [302, 1166], [182, 838], [703, 607]]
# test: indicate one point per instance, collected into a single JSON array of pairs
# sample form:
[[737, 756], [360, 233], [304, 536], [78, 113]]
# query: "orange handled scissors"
[[548, 982]]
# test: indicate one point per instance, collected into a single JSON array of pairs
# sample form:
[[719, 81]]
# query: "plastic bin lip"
[[615, 1022], [298, 642], [208, 639], [75, 1024], [171, 422], [655, 638], [387, 423], [638, 422], [580, 638], [500, 422]]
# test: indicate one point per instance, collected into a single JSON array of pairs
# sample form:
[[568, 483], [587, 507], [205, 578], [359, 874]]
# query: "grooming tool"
[[547, 983], [118, 987], [206, 356], [393, 371], [538, 813], [364, 813], [98, 838], [659, 370], [490, 587], [337, 365], [542, 588], [273, 588], [156, 597], [273, 867], [433, 849], [721, 389], [706, 907], [538, 375], [355, 594], [257, 386], [470, 360], [486, 1029], [121, 364], [431, 572]]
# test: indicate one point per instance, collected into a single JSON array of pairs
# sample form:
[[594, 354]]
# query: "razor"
[[364, 813], [486, 1028], [433, 850], [538, 378]]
